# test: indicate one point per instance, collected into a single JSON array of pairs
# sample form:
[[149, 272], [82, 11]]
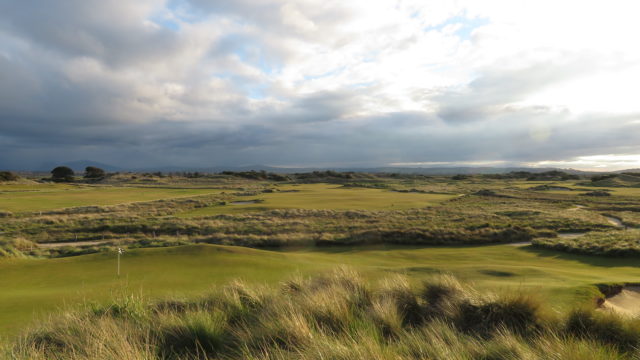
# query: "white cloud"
[[610, 162]]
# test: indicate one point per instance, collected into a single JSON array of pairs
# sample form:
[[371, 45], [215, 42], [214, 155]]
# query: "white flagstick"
[[120, 251]]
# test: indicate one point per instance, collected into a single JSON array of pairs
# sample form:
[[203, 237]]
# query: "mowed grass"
[[32, 288], [42, 197], [325, 196]]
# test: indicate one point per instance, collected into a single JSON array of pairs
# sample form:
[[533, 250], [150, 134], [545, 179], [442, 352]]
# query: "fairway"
[[41, 197], [325, 196], [32, 288]]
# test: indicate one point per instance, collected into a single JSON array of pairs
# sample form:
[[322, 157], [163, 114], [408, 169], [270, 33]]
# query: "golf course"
[[35, 288], [183, 239]]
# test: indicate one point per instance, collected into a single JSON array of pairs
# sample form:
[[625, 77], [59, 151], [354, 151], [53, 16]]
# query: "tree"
[[8, 176], [92, 172], [62, 173]]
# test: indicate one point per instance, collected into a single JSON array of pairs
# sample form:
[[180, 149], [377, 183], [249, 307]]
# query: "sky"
[[320, 83]]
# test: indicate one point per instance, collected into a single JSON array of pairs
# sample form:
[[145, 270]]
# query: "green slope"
[[41, 197], [31, 288]]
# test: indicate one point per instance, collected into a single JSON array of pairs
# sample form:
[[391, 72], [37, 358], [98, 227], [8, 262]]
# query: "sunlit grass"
[[326, 196], [41, 197]]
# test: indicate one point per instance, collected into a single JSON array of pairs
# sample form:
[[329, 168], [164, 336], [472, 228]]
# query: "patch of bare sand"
[[522, 243], [627, 302]]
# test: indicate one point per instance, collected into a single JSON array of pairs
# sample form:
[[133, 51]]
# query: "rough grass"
[[605, 243], [332, 316], [407, 211], [469, 219], [358, 214]]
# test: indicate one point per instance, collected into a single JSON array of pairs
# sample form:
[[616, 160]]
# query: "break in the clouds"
[[319, 82]]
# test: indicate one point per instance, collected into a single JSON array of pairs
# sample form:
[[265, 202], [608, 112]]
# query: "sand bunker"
[[626, 302], [522, 243], [614, 221], [571, 235]]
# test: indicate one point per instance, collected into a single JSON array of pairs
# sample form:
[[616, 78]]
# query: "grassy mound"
[[336, 316], [606, 243], [16, 247], [618, 180]]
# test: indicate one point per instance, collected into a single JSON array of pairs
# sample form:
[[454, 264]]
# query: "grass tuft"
[[196, 335], [604, 327]]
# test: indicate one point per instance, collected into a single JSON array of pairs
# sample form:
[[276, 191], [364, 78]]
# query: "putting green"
[[325, 196]]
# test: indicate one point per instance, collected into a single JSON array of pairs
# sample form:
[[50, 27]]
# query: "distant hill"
[[635, 171], [616, 180], [80, 165]]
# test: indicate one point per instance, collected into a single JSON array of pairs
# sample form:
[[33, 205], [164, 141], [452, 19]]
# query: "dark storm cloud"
[[109, 30], [103, 80]]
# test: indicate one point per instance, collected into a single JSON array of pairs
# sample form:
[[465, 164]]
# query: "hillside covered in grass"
[[610, 243], [33, 288], [335, 316]]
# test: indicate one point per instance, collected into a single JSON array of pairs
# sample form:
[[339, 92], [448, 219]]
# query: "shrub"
[[596, 193], [8, 176], [92, 172]]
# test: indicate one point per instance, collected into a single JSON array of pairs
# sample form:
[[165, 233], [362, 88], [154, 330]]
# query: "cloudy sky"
[[320, 83]]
